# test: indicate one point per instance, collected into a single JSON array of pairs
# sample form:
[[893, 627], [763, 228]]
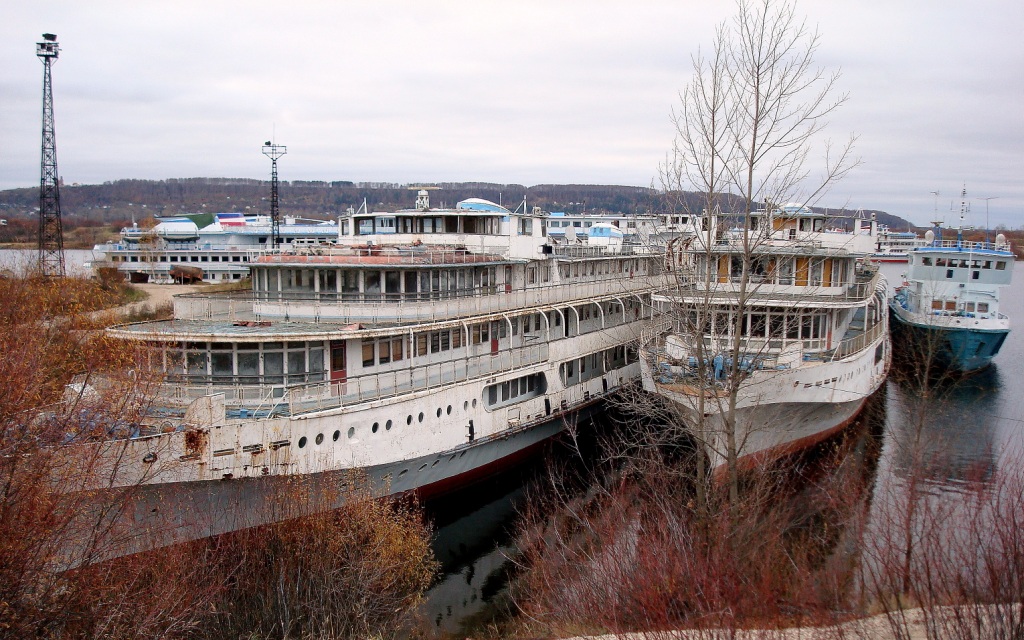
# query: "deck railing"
[[398, 308], [690, 290], [249, 400]]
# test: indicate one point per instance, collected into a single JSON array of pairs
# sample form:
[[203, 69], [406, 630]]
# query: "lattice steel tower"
[[51, 234], [274, 151]]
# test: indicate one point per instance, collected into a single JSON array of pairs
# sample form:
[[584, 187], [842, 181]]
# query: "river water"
[[17, 260]]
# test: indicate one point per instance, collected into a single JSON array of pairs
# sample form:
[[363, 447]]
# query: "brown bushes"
[[641, 556], [639, 553], [356, 571]]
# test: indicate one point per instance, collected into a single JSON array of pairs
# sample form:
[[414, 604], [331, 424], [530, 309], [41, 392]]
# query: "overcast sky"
[[511, 92]]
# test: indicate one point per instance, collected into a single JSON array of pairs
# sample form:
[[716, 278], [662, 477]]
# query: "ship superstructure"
[[774, 333], [425, 347]]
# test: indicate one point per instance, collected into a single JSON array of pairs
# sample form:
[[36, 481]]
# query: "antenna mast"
[[274, 151], [51, 234]]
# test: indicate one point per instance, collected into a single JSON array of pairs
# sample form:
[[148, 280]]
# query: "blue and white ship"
[[947, 310]]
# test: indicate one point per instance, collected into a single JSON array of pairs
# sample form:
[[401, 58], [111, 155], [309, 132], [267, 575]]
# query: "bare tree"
[[746, 124]]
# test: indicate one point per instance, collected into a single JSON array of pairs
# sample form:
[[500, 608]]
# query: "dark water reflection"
[[952, 435]]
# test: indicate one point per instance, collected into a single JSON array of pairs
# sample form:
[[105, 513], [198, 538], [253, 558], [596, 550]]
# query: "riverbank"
[[911, 624]]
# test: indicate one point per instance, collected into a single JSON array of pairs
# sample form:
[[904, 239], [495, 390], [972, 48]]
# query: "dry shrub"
[[357, 571], [641, 554], [46, 429]]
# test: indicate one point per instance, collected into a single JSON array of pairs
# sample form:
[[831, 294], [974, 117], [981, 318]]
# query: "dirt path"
[[157, 295]]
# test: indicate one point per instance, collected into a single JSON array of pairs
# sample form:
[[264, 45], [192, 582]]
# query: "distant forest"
[[116, 203]]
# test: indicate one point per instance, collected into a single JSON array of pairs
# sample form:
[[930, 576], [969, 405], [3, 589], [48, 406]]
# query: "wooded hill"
[[123, 200]]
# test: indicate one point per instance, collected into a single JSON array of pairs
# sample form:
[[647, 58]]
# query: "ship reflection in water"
[[949, 434], [473, 543]]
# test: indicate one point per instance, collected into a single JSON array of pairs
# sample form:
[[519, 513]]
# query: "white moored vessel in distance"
[[425, 348], [895, 246], [219, 252], [780, 330]]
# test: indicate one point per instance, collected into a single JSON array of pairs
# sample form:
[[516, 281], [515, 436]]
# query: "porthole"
[[449, 410], [150, 458], [319, 438], [435, 463], [465, 405], [408, 419], [376, 425], [351, 432], [439, 412], [302, 442], [474, 403], [387, 425], [402, 472], [337, 434], [421, 416], [422, 467]]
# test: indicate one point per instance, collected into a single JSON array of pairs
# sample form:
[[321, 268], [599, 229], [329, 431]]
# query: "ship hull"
[[782, 412], [773, 432], [171, 513], [958, 349]]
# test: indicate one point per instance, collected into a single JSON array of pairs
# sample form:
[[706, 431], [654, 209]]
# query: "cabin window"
[[936, 305], [793, 327], [975, 275], [926, 261], [350, 282], [368, 356], [786, 271], [982, 307], [397, 350], [987, 264], [1000, 265], [196, 363], [248, 366], [297, 360], [969, 307], [817, 273], [222, 364], [337, 356], [273, 367], [421, 344], [949, 273], [392, 284], [940, 262], [372, 282], [384, 352], [950, 305]]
